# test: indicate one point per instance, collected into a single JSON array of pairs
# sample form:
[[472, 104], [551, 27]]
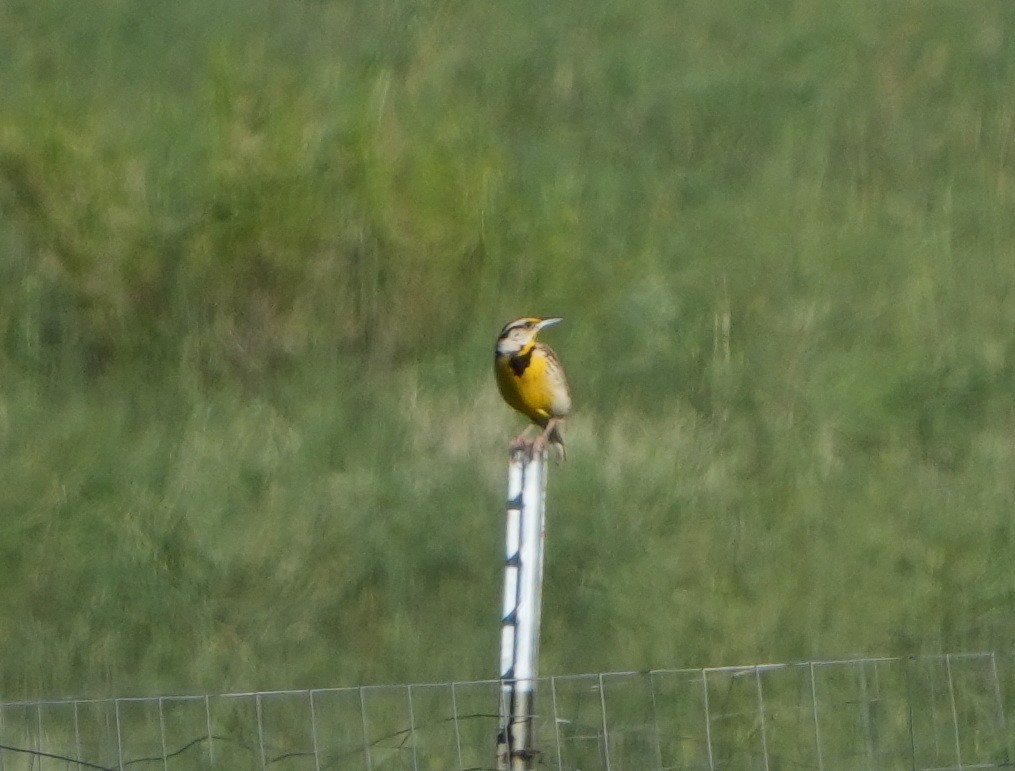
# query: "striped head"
[[519, 336]]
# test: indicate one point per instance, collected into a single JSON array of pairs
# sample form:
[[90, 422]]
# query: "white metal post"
[[523, 587]]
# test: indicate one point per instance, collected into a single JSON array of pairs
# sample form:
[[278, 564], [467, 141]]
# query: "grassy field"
[[254, 255]]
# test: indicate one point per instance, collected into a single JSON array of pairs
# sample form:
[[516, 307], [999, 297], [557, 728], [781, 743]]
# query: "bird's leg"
[[539, 443], [521, 442]]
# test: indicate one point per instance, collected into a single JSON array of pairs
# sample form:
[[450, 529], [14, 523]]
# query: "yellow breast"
[[538, 391]]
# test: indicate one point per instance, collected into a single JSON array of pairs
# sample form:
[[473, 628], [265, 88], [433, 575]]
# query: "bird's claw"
[[520, 444], [530, 448], [538, 444]]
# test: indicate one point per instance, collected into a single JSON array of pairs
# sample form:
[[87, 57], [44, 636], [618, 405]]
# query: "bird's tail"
[[556, 438]]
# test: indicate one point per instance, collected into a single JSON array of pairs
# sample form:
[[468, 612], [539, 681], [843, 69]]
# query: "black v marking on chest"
[[520, 362]]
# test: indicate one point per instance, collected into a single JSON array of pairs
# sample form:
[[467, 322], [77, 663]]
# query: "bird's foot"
[[538, 444], [542, 443], [520, 444]]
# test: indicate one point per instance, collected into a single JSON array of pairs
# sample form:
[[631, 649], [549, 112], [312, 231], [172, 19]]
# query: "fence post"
[[523, 587]]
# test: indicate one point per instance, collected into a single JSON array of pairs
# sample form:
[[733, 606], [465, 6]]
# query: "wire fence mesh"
[[929, 713]]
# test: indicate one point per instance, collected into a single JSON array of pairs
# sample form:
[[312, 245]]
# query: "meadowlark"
[[531, 379]]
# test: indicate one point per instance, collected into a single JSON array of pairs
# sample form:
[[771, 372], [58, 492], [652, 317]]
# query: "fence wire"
[[929, 713]]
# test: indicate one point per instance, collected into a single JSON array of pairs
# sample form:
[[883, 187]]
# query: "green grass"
[[253, 257]]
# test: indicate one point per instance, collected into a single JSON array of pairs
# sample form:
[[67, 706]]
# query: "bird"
[[531, 379]]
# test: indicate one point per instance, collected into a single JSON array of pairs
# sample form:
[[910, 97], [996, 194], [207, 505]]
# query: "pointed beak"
[[547, 323]]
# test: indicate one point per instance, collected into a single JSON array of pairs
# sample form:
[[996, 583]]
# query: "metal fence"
[[929, 713]]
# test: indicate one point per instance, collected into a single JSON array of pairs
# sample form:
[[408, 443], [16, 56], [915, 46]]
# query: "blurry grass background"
[[254, 254]]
